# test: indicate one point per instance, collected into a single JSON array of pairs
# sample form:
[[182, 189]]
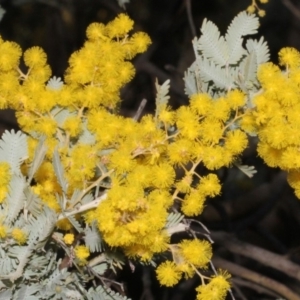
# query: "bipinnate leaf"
[[15, 199], [38, 158], [260, 48], [242, 25], [33, 203], [212, 45], [3, 11], [101, 268], [162, 92], [212, 72], [174, 219], [104, 293], [123, 2], [93, 239], [247, 170], [42, 227], [13, 149], [6, 294], [248, 68], [59, 171], [26, 292]]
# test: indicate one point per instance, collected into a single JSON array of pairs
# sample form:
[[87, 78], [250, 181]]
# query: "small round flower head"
[[201, 103], [251, 9], [168, 274], [290, 57], [140, 41], [119, 26], [3, 231], [69, 238], [261, 13], [236, 141], [35, 57], [193, 203], [210, 185], [96, 31], [236, 99], [10, 54], [19, 236], [196, 252], [82, 253]]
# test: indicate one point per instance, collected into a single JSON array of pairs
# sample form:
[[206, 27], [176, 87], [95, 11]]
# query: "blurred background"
[[252, 214]]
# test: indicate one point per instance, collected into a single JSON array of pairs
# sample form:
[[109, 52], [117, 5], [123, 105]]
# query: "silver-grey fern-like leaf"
[[36, 266], [13, 149], [23, 254], [26, 292], [247, 170], [248, 68], [123, 2], [190, 86], [7, 265], [174, 219], [86, 137], [33, 203], [212, 72], [87, 199], [162, 93], [104, 293], [75, 223], [55, 279], [6, 294], [93, 239], [15, 199], [42, 227], [162, 97], [101, 268], [59, 171], [212, 45], [2, 12], [38, 158], [61, 114], [261, 50], [242, 25], [55, 83]]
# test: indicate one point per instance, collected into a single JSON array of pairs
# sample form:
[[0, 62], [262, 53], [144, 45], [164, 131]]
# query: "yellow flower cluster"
[[92, 85], [277, 115], [135, 163], [144, 160], [16, 234], [188, 255]]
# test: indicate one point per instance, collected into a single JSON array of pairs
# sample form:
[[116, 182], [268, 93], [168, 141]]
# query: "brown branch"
[[292, 8], [253, 286], [256, 278], [263, 256]]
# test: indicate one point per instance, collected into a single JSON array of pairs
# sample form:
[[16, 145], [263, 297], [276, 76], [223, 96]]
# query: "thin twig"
[[140, 110], [190, 17], [82, 208]]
